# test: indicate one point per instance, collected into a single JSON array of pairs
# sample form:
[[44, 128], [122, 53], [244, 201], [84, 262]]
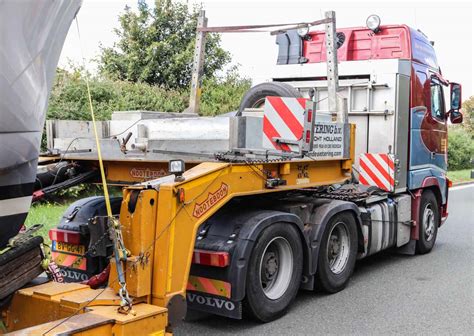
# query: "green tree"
[[468, 113], [461, 139], [156, 46], [460, 148], [69, 99]]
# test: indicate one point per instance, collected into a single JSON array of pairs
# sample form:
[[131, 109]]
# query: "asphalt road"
[[431, 294]]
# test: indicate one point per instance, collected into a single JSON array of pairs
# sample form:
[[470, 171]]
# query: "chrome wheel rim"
[[338, 248], [259, 103], [428, 222], [276, 268]]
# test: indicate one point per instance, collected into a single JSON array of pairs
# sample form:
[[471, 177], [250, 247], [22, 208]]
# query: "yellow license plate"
[[69, 248]]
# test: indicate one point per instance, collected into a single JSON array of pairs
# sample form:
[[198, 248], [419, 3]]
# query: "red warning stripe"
[[374, 177], [381, 170], [271, 133], [302, 102], [362, 180], [388, 161], [69, 260], [288, 117], [211, 286]]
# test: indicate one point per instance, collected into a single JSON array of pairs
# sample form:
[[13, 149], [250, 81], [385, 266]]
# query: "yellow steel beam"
[[207, 188]]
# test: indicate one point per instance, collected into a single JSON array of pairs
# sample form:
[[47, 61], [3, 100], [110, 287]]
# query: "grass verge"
[[459, 176], [48, 214]]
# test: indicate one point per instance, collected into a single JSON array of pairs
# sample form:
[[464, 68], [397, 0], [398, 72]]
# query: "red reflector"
[[308, 136], [181, 195], [65, 236], [310, 115], [211, 258], [450, 183]]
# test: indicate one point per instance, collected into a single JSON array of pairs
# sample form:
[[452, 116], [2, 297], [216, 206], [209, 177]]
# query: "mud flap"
[[213, 304], [408, 249]]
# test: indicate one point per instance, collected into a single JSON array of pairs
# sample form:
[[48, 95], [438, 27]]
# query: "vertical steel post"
[[331, 61], [198, 65]]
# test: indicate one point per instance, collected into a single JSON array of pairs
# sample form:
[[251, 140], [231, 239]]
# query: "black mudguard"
[[235, 231], [325, 209]]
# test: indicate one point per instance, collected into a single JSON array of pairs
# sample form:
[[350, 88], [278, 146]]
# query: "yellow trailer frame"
[[159, 229]]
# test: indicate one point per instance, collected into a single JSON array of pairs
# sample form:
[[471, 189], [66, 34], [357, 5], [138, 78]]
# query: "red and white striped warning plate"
[[283, 117], [377, 170]]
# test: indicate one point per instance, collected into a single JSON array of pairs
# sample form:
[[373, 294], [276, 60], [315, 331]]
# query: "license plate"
[[69, 248]]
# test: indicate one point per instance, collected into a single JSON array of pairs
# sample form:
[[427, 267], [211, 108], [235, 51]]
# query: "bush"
[[221, 95], [460, 148], [69, 99]]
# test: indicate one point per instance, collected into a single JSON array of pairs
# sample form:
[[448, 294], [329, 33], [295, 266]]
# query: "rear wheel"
[[274, 272], [337, 254], [428, 222]]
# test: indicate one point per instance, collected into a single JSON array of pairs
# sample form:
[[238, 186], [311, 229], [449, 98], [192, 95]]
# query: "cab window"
[[437, 100]]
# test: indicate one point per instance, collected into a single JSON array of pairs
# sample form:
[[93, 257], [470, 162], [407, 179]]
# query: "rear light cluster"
[[201, 257], [211, 258], [65, 236], [309, 120]]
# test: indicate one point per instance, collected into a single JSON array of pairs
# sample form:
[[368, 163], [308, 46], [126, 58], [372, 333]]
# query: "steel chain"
[[223, 157]]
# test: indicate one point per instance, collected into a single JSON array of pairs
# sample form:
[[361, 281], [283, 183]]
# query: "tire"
[[255, 96], [274, 272], [428, 222], [335, 267]]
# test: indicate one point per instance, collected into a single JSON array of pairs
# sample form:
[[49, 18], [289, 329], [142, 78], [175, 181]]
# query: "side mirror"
[[456, 100], [455, 117]]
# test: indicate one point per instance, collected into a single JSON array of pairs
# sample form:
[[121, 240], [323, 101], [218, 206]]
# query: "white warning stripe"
[[367, 177], [14, 206], [295, 107], [279, 124], [267, 142], [374, 170], [384, 164]]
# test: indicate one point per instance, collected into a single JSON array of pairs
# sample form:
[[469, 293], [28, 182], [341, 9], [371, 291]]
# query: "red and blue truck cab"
[[396, 96]]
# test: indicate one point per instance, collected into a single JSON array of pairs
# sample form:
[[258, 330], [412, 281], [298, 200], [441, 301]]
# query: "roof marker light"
[[373, 23]]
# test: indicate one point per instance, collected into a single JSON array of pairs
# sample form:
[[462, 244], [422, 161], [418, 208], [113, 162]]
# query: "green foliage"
[[220, 95], [149, 68], [460, 148], [69, 99], [156, 46], [468, 113], [459, 176], [461, 139]]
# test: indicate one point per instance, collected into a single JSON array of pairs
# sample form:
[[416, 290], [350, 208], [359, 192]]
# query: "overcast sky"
[[448, 23]]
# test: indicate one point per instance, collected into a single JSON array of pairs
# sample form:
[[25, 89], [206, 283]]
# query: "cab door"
[[428, 145], [434, 127]]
